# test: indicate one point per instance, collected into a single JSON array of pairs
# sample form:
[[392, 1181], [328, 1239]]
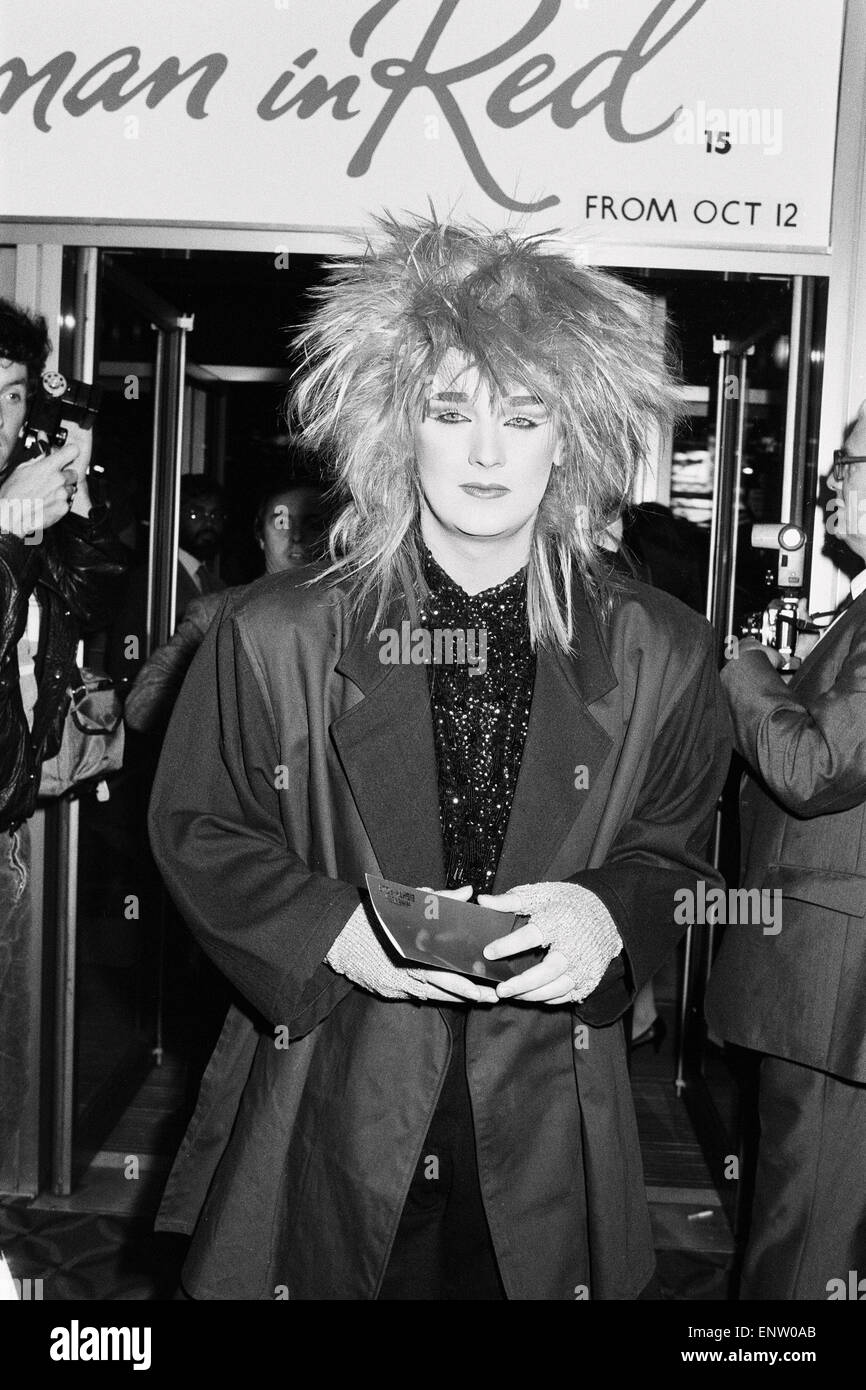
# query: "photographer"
[[795, 995], [55, 555]]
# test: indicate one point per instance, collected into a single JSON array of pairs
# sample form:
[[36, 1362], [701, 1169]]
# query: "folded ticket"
[[440, 933]]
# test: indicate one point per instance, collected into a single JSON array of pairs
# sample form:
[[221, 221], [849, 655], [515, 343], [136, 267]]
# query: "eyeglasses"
[[841, 461], [200, 513]]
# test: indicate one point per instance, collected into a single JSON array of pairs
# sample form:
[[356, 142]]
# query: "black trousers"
[[443, 1250], [808, 1223]]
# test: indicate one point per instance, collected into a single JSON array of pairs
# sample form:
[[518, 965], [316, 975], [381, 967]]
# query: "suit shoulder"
[[277, 604], [202, 610]]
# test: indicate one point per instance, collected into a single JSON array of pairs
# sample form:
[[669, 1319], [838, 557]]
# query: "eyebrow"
[[460, 397]]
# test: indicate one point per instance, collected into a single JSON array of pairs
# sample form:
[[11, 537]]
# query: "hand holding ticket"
[[441, 933]]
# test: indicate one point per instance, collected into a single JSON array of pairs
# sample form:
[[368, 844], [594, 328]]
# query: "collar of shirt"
[[501, 608], [190, 564], [858, 585]]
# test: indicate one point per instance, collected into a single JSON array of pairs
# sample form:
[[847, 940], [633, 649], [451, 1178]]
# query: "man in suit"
[[798, 995], [200, 537], [289, 526], [202, 520]]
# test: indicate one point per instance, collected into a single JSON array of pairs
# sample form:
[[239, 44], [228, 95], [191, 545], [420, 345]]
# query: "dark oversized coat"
[[152, 694], [294, 763], [800, 993]]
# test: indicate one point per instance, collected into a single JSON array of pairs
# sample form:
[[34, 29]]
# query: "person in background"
[[371, 1130], [289, 527], [201, 528], [57, 561], [793, 990]]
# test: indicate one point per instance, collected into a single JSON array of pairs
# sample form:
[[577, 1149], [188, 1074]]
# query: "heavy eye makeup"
[[532, 415], [530, 412]]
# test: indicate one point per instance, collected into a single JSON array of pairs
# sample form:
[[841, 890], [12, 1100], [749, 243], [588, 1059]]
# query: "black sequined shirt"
[[480, 707]]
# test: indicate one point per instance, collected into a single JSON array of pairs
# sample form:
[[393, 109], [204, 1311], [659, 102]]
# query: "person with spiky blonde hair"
[[432, 297], [467, 700]]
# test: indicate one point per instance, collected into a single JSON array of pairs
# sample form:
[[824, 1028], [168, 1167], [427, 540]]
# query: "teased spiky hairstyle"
[[527, 317]]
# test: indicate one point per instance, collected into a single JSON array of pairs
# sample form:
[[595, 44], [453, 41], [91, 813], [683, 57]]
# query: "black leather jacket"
[[71, 571]]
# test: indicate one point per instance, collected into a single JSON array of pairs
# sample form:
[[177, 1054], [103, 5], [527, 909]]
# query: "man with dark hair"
[[288, 527], [202, 520], [55, 553], [291, 524], [24, 339]]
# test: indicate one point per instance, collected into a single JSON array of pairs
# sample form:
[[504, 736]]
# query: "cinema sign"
[[624, 120]]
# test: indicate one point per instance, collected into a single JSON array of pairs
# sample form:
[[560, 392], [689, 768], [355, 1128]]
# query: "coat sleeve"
[[811, 755], [254, 906], [663, 847], [82, 558], [153, 692]]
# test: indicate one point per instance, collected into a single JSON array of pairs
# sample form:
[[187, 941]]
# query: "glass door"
[[763, 456], [110, 903]]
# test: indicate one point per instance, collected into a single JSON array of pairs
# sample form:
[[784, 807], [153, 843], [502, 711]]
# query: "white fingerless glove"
[[358, 954], [575, 922]]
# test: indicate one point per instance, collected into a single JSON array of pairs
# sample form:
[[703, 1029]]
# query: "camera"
[[57, 398], [785, 616]]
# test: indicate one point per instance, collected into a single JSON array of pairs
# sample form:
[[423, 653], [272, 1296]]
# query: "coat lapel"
[[825, 655], [385, 746], [564, 750]]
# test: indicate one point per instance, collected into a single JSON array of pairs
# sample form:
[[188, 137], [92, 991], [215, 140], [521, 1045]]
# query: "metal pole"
[[730, 434], [156, 441], [795, 367], [165, 527], [65, 1020], [165, 493], [64, 1041], [721, 554], [739, 460], [720, 347], [84, 343]]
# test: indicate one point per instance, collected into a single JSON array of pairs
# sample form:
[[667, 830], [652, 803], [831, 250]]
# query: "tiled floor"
[[98, 1242], [691, 1230]]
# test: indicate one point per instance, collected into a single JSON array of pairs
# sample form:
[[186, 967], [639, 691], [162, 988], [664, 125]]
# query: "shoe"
[[656, 1034]]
